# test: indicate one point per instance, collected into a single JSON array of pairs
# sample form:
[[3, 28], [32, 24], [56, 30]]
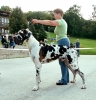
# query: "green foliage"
[[74, 20], [32, 29], [51, 29], [38, 29], [41, 33], [17, 20], [77, 26], [38, 15], [6, 8]]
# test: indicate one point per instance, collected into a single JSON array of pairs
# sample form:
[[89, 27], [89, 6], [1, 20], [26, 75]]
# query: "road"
[[17, 79]]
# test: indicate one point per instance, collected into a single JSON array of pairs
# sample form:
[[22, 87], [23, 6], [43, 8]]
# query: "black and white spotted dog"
[[41, 53]]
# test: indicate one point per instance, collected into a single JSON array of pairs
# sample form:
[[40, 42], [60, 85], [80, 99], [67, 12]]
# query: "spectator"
[[41, 41], [4, 42], [78, 46], [45, 40], [52, 42], [12, 42], [71, 44], [0, 38]]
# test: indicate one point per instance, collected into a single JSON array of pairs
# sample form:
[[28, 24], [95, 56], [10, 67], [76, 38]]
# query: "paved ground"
[[18, 78]]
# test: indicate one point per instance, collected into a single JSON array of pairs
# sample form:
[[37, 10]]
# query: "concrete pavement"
[[18, 78]]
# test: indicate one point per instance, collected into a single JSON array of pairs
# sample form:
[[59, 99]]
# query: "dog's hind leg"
[[81, 75], [73, 71], [74, 75], [83, 79], [38, 80]]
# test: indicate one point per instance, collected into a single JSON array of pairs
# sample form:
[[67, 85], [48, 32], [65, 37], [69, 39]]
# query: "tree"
[[6, 8], [32, 29], [29, 15], [38, 29], [41, 33], [39, 15], [73, 18], [94, 13], [17, 20]]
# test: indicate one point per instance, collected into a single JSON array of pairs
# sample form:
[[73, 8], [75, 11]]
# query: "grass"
[[84, 43], [51, 35]]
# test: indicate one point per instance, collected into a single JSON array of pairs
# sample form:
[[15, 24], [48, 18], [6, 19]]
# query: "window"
[[3, 20], [8, 31], [0, 19], [7, 20], [5, 31], [2, 30]]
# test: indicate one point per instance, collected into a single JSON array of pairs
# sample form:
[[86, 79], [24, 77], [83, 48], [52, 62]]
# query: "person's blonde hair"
[[77, 39], [58, 11]]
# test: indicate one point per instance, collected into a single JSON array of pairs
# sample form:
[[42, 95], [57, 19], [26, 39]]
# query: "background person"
[[12, 42], [0, 38], [78, 46], [61, 38], [52, 42], [4, 42], [71, 44], [45, 41]]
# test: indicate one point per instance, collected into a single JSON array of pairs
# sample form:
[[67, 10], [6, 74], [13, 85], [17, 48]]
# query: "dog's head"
[[22, 35]]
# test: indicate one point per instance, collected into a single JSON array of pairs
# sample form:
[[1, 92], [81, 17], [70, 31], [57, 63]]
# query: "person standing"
[[61, 38], [52, 42], [0, 38], [4, 42], [78, 46], [12, 42]]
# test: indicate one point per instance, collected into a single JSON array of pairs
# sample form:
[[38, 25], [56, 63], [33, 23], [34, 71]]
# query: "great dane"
[[44, 53]]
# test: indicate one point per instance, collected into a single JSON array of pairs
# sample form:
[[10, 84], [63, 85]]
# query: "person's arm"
[[46, 22], [79, 44]]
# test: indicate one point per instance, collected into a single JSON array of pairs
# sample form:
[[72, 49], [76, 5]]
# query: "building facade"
[[4, 22]]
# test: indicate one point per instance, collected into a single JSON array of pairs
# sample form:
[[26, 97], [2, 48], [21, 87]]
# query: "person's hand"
[[34, 21]]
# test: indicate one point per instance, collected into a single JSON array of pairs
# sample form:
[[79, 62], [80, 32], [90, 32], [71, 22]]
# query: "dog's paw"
[[72, 81], [39, 81], [35, 88], [83, 87]]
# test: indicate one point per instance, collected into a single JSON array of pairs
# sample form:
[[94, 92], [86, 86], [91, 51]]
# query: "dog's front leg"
[[38, 80]]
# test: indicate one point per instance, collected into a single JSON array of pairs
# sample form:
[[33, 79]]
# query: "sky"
[[46, 5]]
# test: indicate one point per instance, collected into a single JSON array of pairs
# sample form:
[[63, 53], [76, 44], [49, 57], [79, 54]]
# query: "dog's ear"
[[20, 31]]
